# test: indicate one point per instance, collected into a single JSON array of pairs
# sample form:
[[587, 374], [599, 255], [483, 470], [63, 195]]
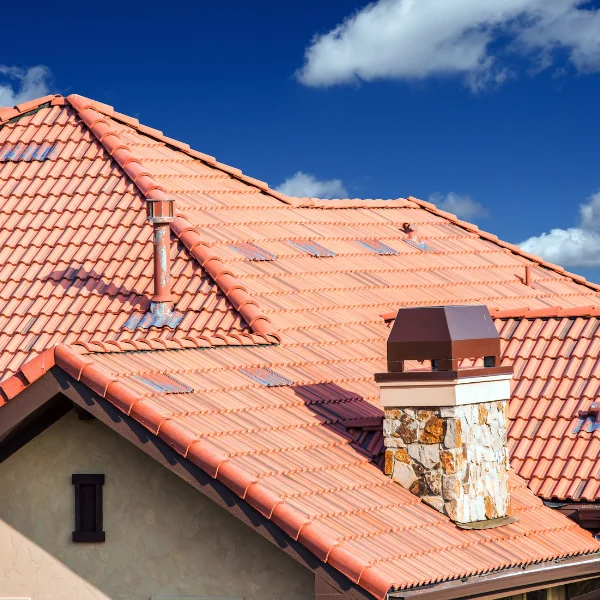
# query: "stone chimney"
[[445, 427]]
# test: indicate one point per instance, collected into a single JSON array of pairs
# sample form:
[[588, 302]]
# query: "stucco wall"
[[163, 538]]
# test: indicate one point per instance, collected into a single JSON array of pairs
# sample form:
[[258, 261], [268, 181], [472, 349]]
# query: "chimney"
[[445, 426], [160, 214]]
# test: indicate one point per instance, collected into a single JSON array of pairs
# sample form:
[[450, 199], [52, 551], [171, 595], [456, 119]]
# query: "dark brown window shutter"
[[88, 508]]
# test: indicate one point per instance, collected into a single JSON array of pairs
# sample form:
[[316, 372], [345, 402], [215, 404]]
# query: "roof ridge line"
[[109, 111], [494, 239], [133, 167], [217, 464], [296, 202], [7, 113], [352, 203]]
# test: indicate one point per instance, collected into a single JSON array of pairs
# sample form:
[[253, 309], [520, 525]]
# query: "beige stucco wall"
[[163, 538]]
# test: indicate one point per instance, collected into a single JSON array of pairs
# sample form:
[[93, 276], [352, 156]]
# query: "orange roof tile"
[[77, 265], [554, 438]]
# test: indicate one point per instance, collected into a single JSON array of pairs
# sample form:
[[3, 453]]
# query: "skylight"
[[312, 248], [266, 376], [253, 252], [378, 247]]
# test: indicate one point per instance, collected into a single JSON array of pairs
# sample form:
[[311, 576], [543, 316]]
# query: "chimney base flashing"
[[488, 523], [398, 393]]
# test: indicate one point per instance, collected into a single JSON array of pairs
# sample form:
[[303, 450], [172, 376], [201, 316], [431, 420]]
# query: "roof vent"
[[412, 239], [312, 248], [266, 376], [165, 384], [378, 247], [253, 252], [445, 427], [27, 152], [589, 420]]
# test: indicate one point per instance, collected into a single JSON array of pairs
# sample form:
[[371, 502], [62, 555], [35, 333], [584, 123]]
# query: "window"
[[88, 508]]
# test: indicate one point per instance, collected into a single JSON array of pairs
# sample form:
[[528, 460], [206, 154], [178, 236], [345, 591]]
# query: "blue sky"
[[492, 102]]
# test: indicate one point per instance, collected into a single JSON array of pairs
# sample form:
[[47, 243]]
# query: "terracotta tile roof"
[[555, 433], [289, 450]]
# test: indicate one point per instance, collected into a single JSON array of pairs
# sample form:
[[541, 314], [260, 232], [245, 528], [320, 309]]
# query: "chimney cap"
[[442, 333]]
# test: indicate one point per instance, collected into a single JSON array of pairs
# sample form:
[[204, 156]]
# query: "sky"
[[488, 109]]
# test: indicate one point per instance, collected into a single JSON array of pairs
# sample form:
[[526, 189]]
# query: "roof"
[[270, 373], [554, 436]]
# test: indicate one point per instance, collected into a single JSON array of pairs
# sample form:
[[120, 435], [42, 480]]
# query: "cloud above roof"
[[575, 246], [410, 40], [21, 85], [462, 206], [303, 185]]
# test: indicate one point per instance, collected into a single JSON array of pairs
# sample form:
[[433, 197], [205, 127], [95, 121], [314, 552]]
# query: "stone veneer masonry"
[[454, 458]]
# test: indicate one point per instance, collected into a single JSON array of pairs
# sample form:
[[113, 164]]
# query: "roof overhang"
[[509, 581]]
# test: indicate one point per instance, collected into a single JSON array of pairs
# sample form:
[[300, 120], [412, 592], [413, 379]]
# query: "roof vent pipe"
[[160, 214], [528, 275]]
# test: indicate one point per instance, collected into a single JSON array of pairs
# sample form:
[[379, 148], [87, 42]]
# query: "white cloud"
[[575, 246], [462, 206], [415, 39], [304, 185], [23, 84]]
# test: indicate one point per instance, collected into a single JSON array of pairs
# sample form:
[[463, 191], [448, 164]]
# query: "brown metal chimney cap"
[[443, 333]]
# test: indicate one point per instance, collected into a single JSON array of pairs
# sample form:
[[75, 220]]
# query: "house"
[[188, 398]]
